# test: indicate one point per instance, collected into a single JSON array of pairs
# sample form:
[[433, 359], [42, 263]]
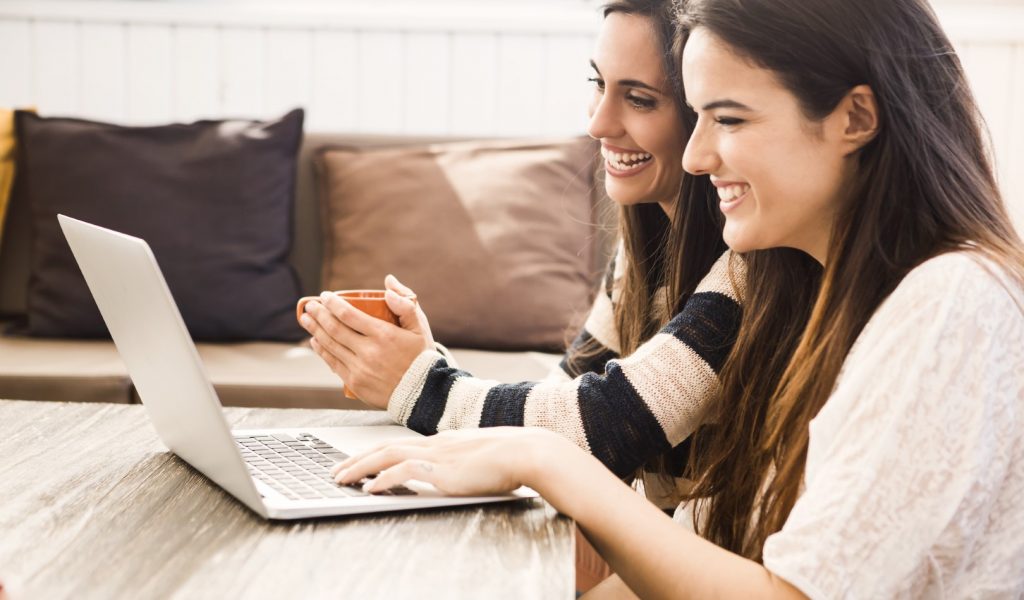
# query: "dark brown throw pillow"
[[496, 238], [212, 198]]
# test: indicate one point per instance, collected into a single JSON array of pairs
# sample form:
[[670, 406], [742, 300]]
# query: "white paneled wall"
[[473, 68], [353, 69], [996, 73]]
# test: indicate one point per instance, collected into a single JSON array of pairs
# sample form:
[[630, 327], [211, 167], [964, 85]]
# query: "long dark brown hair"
[[661, 253], [924, 186]]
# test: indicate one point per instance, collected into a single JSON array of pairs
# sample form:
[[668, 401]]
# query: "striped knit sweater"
[[624, 411]]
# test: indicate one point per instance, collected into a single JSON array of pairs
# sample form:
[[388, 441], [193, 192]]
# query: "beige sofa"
[[244, 374]]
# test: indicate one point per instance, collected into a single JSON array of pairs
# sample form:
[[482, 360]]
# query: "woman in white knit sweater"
[[888, 459]]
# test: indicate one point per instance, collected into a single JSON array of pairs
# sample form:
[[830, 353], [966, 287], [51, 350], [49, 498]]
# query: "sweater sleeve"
[[636, 408]]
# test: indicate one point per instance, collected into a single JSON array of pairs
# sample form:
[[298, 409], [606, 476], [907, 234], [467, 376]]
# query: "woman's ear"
[[861, 116]]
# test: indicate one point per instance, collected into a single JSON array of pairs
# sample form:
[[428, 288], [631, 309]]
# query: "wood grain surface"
[[93, 506]]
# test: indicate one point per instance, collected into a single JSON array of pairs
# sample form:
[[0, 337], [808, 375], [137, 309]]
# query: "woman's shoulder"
[[728, 276], [949, 300], [965, 262], [965, 277], [957, 299]]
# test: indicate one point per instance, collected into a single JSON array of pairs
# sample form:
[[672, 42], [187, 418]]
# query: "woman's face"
[[778, 174], [633, 114]]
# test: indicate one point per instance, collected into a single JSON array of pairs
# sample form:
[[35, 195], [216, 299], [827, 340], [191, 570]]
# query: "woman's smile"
[[620, 162], [730, 194]]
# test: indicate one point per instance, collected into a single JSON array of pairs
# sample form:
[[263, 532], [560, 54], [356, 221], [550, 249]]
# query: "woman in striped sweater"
[[632, 370]]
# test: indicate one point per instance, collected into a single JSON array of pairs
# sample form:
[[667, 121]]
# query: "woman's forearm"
[[656, 557]]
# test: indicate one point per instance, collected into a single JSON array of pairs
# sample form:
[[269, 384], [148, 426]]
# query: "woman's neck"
[[669, 206]]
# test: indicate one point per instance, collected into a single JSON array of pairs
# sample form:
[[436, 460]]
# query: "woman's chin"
[[635, 193], [736, 240]]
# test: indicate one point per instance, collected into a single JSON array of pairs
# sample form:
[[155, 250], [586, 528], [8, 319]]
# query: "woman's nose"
[[604, 119], [699, 157]]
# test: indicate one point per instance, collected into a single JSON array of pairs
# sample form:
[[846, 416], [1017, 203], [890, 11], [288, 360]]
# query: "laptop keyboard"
[[298, 467]]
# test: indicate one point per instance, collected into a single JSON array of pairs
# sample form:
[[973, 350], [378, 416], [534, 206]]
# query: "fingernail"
[[324, 296], [341, 474], [306, 320]]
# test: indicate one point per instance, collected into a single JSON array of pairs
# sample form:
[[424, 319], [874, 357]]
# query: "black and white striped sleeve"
[[638, 407]]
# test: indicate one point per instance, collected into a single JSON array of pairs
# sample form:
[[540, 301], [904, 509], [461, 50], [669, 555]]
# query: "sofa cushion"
[[495, 237], [506, 367], [263, 374], [272, 374], [62, 370], [212, 198]]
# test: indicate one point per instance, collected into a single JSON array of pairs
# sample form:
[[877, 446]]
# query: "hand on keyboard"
[[298, 467]]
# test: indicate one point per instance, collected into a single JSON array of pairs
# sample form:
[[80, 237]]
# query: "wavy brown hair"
[[924, 186], [661, 253], [664, 259]]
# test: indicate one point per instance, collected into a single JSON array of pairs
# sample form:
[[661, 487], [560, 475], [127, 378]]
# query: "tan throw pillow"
[[6, 161], [496, 238]]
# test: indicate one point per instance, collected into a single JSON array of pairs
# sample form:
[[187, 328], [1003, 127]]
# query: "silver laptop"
[[278, 473]]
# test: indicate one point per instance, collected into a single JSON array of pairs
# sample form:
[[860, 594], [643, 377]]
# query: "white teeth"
[[731, 192], [625, 161]]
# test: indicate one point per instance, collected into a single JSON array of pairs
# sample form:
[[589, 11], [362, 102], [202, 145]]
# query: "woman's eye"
[[641, 102], [728, 121], [598, 82]]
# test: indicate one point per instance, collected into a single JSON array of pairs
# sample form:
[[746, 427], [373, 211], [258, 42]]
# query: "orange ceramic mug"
[[370, 302]]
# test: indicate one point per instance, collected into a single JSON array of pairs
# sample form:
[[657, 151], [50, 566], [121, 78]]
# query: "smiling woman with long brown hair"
[[887, 460], [916, 239]]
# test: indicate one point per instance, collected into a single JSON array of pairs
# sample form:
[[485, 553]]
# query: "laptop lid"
[[136, 304]]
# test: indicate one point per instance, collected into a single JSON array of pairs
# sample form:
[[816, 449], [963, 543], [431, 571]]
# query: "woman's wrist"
[[403, 398], [550, 461]]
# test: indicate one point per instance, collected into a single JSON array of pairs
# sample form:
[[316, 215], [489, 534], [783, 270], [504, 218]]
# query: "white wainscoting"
[[462, 68], [475, 70]]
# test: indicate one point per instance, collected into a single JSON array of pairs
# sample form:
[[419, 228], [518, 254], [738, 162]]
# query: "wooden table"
[[92, 505]]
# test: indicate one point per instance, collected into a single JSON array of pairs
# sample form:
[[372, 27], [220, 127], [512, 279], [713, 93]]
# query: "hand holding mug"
[[368, 337]]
